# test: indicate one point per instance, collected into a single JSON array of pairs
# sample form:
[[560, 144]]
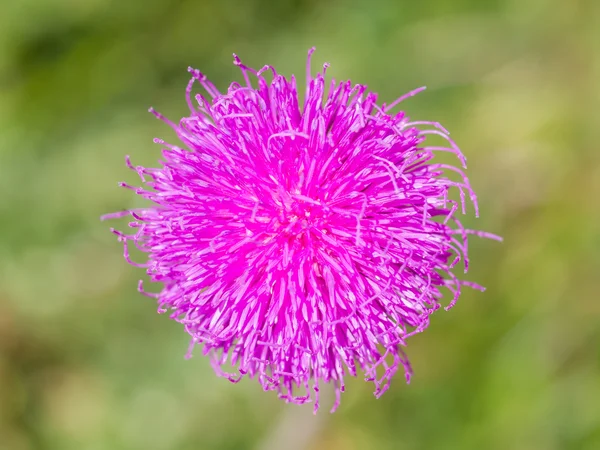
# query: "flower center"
[[300, 215]]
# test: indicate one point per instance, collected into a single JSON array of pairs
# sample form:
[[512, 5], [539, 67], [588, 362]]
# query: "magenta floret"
[[297, 244]]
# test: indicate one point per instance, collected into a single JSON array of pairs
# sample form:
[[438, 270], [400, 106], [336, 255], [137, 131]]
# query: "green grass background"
[[86, 363]]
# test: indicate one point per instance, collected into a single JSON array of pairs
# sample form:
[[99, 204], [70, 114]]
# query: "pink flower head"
[[301, 244]]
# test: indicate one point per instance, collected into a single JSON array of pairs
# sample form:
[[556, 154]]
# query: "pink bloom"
[[301, 244]]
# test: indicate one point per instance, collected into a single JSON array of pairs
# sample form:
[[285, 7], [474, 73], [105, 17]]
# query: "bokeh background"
[[86, 363]]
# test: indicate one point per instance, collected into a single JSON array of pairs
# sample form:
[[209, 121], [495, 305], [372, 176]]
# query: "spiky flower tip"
[[301, 245]]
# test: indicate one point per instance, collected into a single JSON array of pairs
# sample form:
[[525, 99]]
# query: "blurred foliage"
[[86, 363]]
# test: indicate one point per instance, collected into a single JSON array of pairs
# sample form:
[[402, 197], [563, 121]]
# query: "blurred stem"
[[298, 427]]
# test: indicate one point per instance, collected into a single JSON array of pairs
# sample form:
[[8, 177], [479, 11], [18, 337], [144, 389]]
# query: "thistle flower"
[[301, 244]]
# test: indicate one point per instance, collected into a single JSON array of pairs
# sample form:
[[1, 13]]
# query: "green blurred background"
[[86, 363]]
